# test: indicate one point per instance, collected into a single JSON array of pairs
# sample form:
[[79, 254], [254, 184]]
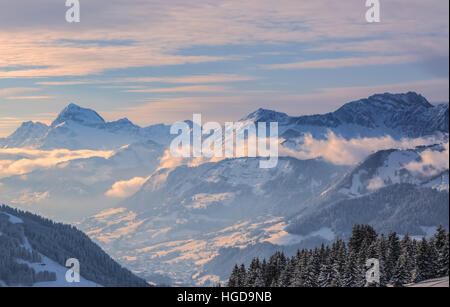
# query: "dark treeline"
[[402, 261], [58, 242], [13, 250]]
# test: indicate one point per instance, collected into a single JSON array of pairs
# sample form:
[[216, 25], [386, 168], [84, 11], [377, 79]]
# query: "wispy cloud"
[[156, 31], [13, 93], [28, 97], [345, 62], [183, 89], [17, 90], [29, 197], [136, 43], [194, 79]]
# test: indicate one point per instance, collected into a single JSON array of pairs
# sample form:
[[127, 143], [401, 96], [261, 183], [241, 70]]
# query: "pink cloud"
[[126, 188]]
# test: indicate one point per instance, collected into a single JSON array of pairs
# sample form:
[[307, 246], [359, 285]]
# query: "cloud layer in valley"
[[19, 161], [126, 188], [432, 162], [341, 151]]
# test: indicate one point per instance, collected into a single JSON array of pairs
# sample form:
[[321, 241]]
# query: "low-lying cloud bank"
[[332, 148], [126, 188], [341, 151], [432, 162], [19, 161]]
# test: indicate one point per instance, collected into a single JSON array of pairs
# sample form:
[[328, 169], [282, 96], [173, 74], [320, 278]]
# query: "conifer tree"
[[242, 276], [441, 244], [433, 256], [421, 267], [351, 273], [324, 279], [253, 273], [312, 269], [286, 275], [392, 255], [401, 275], [233, 281]]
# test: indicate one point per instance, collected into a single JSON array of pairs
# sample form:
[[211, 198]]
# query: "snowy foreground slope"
[[33, 252], [432, 283]]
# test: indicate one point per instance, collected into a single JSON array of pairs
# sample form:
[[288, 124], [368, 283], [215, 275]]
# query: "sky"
[[163, 60]]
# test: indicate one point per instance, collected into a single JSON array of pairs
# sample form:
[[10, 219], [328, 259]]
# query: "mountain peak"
[[80, 115], [32, 124], [410, 99], [265, 115], [29, 129]]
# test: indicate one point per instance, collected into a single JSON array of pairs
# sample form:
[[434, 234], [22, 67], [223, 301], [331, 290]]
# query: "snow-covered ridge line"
[[398, 115]]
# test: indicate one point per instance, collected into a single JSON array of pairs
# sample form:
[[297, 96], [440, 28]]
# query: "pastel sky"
[[158, 61]]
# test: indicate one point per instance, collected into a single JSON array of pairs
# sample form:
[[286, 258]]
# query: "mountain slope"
[[403, 208], [423, 165], [181, 219], [34, 251], [231, 187], [401, 190]]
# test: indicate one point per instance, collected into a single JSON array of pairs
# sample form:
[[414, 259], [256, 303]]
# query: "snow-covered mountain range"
[[397, 115], [175, 221], [81, 128]]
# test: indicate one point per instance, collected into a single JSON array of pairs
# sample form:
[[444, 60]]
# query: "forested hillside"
[[31, 248], [403, 208], [343, 264]]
